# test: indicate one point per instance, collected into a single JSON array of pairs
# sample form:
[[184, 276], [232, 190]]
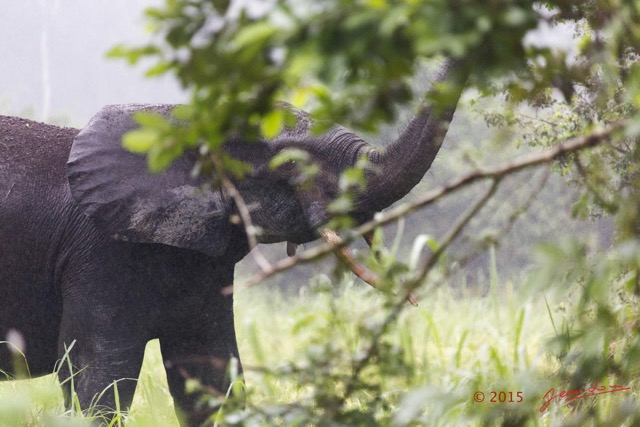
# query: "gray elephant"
[[97, 252]]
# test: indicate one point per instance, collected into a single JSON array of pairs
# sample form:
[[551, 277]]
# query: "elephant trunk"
[[404, 162]]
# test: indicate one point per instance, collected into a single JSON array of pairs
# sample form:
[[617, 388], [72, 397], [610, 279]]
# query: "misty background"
[[54, 66]]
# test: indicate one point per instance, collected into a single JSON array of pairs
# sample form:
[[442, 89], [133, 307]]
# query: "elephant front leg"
[[208, 356], [99, 362], [94, 380]]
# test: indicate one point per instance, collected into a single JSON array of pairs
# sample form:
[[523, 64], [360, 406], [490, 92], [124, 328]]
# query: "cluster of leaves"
[[344, 61], [348, 365], [336, 377], [597, 341]]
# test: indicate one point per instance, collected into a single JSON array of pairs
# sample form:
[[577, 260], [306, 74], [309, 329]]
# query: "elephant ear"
[[114, 187]]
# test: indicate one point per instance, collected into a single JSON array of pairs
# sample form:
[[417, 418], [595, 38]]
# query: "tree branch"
[[454, 231], [245, 215], [515, 215], [345, 255]]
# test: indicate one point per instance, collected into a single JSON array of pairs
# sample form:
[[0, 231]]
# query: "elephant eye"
[[288, 159], [289, 165]]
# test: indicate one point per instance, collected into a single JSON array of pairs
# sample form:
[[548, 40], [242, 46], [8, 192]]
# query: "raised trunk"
[[404, 162]]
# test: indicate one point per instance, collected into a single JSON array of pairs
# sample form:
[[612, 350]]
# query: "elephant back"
[[33, 151]]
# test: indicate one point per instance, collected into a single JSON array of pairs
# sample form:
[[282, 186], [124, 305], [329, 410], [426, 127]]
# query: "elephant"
[[98, 256]]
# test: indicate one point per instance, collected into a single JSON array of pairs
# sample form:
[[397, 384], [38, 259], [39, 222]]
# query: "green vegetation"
[[299, 353]]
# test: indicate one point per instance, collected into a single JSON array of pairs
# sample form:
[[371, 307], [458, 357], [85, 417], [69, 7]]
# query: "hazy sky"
[[53, 65]]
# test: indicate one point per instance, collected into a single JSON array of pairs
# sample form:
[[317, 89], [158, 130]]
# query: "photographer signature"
[[571, 395]]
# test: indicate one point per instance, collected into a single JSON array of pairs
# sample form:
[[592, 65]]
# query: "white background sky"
[[53, 65]]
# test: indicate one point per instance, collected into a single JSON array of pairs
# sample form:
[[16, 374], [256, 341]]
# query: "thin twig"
[[515, 215], [245, 215], [587, 182], [537, 119], [454, 231], [518, 212]]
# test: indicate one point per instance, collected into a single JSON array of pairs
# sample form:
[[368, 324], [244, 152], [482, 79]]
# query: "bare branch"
[[515, 215], [244, 213], [345, 255], [454, 231], [517, 164]]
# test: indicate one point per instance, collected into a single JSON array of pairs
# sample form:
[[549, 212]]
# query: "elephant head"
[[114, 188]]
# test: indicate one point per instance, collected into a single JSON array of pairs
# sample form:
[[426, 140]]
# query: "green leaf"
[[272, 124], [184, 112], [304, 323], [158, 159], [288, 155], [152, 120], [341, 204], [132, 55], [253, 34], [352, 177], [580, 209], [158, 69], [140, 141], [118, 51], [192, 385]]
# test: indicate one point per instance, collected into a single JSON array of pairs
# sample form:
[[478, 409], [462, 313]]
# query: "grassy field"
[[452, 347]]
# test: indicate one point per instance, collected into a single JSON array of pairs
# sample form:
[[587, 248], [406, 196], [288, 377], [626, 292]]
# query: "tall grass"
[[453, 346], [446, 351]]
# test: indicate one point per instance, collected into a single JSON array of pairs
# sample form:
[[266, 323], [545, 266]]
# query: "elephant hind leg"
[[201, 349], [211, 365]]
